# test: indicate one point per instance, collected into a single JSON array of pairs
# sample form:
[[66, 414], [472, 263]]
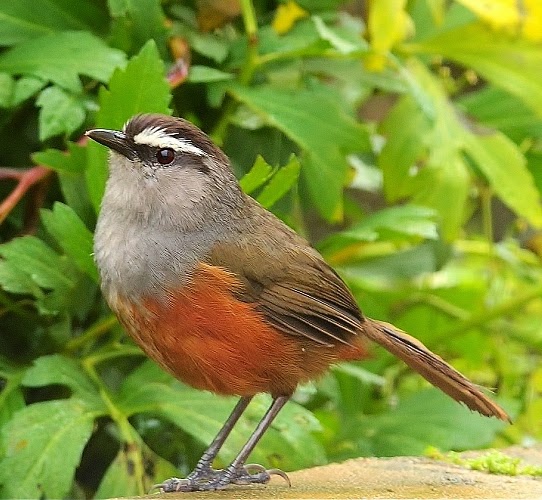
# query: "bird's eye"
[[165, 156]]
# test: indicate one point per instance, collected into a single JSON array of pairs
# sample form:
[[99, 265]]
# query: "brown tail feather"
[[432, 367]]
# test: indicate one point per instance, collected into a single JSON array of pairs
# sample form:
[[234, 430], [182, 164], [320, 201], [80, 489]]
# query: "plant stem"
[[487, 220], [130, 439], [91, 334], [483, 317], [247, 71]]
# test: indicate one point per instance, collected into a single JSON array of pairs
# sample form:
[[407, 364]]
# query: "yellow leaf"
[[532, 22], [521, 18], [388, 24], [287, 15]]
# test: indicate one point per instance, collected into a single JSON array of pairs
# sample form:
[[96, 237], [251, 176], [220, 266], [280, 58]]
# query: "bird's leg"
[[204, 478], [203, 467], [203, 470], [239, 473]]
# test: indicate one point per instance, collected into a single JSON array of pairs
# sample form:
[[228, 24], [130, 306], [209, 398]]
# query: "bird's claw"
[[210, 479]]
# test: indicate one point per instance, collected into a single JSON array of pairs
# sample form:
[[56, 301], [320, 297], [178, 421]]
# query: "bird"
[[222, 294]]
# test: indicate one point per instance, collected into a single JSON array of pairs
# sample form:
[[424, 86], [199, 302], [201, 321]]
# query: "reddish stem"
[[27, 178]]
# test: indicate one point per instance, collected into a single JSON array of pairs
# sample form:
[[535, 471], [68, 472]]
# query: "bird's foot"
[[207, 479]]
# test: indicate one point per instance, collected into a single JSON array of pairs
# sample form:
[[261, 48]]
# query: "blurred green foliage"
[[415, 132]]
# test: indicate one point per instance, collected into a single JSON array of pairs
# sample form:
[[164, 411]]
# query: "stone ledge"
[[387, 478]]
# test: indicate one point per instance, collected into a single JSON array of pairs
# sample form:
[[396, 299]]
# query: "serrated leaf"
[[61, 112], [72, 235], [139, 88], [40, 262], [147, 22], [280, 183], [15, 280], [201, 74], [62, 57], [500, 160], [428, 418], [7, 87], [43, 443], [26, 19], [70, 166], [256, 176], [58, 369], [25, 88], [324, 132], [498, 109], [509, 63]]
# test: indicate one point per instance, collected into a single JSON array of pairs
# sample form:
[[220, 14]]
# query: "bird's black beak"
[[114, 140]]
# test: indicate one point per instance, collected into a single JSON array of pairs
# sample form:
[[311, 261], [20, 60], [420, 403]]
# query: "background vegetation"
[[403, 138]]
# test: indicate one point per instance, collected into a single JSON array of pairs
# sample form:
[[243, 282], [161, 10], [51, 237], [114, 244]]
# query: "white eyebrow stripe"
[[157, 138]]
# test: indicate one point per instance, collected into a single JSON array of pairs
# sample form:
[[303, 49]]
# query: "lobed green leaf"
[[43, 443], [316, 122], [61, 112], [61, 57], [72, 235]]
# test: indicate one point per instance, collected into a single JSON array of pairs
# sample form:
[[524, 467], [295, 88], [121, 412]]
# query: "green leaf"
[[61, 112], [43, 443], [280, 183], [117, 8], [62, 57], [324, 132], [359, 373], [512, 64], [7, 87], [403, 147], [427, 418], [73, 162], [209, 45], [72, 235], [71, 167], [201, 74], [139, 88], [58, 369], [25, 88], [11, 396], [436, 181], [202, 414], [146, 21], [506, 171], [40, 262], [31, 262], [406, 220], [498, 109], [120, 480], [409, 220], [15, 280], [260, 172], [343, 41], [25, 19]]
